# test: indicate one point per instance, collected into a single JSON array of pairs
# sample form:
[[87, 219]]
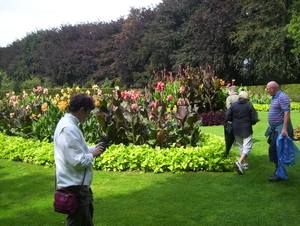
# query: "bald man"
[[279, 122]]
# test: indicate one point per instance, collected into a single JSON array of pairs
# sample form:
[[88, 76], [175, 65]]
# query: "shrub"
[[213, 118], [210, 156]]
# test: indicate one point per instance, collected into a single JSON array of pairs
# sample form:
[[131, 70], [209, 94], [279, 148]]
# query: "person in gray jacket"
[[242, 115], [233, 96]]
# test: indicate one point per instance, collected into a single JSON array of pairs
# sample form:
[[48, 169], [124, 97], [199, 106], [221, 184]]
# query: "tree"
[[264, 51], [166, 35], [130, 55], [294, 27], [206, 40]]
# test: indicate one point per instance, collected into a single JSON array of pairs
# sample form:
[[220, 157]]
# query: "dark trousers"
[[273, 149], [84, 215]]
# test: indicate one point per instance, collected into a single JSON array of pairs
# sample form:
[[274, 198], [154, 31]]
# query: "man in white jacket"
[[74, 159]]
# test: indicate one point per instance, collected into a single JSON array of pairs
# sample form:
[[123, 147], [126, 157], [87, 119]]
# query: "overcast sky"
[[19, 17]]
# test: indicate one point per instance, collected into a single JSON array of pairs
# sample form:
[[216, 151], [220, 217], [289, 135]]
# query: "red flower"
[[170, 97], [134, 96], [160, 86], [154, 104], [125, 95], [181, 90]]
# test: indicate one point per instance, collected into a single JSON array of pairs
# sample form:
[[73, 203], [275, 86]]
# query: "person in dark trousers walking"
[[279, 122], [74, 159]]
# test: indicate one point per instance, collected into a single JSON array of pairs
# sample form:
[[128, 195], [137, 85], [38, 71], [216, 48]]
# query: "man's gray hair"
[[231, 89]]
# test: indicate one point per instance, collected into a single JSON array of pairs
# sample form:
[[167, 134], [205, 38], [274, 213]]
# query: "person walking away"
[[242, 115], [233, 96], [279, 122], [74, 159]]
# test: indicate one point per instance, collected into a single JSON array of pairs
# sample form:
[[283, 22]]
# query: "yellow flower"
[[87, 92], [32, 116], [62, 91], [77, 89], [62, 105], [44, 106], [95, 86], [70, 90], [67, 96], [39, 115]]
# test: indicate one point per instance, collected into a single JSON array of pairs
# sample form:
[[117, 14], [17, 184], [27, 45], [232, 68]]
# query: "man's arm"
[[286, 121]]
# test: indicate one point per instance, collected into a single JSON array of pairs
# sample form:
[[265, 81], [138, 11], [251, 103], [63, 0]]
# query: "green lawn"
[[189, 199]]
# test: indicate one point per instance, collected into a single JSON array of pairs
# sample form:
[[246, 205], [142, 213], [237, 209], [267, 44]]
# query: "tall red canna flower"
[[160, 86], [170, 97], [181, 89]]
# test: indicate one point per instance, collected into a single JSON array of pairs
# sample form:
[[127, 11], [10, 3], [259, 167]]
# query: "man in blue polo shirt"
[[279, 122]]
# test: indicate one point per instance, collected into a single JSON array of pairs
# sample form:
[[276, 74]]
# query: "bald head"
[[273, 88]]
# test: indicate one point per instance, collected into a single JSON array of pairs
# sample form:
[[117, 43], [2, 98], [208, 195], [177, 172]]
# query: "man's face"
[[84, 115], [271, 90]]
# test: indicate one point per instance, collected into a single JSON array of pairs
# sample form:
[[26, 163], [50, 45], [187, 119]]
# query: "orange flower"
[[134, 106], [44, 106], [97, 102], [62, 105]]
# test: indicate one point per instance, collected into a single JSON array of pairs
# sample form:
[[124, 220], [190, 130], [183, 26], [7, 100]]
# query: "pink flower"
[[151, 117], [45, 91], [125, 95], [25, 95], [154, 104], [180, 102], [170, 97], [160, 86], [181, 90], [99, 91], [228, 85], [166, 117], [12, 115], [134, 106], [134, 96], [39, 89], [12, 98]]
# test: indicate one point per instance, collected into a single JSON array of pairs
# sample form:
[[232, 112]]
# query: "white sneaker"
[[238, 167], [246, 166]]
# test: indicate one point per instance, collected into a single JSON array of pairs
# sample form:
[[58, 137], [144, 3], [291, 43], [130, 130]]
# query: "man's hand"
[[284, 132], [98, 151]]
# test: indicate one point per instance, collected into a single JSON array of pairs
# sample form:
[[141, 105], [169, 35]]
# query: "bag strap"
[[55, 184]]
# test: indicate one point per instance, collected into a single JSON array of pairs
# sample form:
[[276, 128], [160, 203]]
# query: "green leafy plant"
[[209, 156]]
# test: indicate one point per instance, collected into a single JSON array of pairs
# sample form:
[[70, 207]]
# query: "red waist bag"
[[65, 201]]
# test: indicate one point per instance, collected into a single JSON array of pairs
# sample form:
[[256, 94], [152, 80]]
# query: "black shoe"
[[275, 178]]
